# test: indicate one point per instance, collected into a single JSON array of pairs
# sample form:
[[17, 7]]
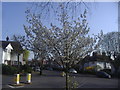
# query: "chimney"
[[7, 38]]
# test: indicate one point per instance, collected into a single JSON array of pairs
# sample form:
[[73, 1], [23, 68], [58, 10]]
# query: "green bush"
[[26, 69], [90, 72], [9, 70]]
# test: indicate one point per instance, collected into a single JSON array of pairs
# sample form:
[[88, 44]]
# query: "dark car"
[[103, 74], [49, 68]]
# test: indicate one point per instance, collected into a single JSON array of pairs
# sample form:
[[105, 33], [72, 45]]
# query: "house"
[[97, 62], [11, 52]]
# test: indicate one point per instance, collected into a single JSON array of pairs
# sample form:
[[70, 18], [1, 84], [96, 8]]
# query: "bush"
[[90, 72], [26, 69], [9, 70]]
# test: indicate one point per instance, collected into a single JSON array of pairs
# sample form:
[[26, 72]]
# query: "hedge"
[[9, 70]]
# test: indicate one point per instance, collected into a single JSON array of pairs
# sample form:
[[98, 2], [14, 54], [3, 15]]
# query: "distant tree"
[[111, 43], [26, 54], [118, 62]]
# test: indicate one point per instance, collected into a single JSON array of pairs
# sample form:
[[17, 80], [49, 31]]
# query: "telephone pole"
[[119, 26]]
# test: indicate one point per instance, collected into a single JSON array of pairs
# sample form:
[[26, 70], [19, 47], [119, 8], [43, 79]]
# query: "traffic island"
[[28, 83], [16, 83], [20, 84]]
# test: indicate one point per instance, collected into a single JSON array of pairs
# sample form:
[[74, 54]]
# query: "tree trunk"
[[40, 71], [41, 67], [67, 86], [18, 64]]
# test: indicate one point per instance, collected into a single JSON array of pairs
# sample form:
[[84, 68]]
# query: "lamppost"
[[119, 27]]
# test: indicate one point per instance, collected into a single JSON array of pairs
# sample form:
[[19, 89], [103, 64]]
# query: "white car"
[[72, 71], [37, 69]]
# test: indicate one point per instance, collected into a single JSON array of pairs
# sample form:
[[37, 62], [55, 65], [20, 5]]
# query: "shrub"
[[9, 70], [26, 69], [89, 72]]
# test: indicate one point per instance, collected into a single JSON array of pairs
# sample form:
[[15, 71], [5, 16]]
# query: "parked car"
[[57, 67], [37, 69], [108, 71], [72, 71], [49, 68], [103, 74]]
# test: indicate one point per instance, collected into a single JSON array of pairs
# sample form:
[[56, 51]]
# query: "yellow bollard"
[[17, 79], [29, 78]]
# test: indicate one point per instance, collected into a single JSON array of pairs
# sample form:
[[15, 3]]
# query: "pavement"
[[53, 79]]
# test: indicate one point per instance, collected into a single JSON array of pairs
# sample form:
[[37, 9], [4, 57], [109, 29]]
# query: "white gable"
[[9, 47]]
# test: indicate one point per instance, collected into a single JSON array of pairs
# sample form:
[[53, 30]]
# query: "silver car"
[[37, 69], [72, 71]]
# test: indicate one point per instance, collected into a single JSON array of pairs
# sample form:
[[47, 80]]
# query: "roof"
[[16, 45], [97, 58]]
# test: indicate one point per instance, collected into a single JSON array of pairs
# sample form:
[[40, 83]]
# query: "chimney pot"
[[7, 38]]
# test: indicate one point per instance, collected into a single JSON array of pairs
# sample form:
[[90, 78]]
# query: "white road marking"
[[82, 83], [15, 86]]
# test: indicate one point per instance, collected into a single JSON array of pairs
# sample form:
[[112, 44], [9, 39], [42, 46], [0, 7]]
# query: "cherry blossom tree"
[[66, 40]]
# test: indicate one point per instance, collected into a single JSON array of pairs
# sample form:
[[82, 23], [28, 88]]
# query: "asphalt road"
[[53, 79]]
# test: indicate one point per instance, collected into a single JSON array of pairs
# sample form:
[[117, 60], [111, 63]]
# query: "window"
[[8, 50]]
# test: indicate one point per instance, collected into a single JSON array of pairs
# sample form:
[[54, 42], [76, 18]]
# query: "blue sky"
[[13, 18], [101, 16], [104, 17]]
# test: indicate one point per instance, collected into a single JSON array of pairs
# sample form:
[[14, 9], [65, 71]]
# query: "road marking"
[[84, 82], [15, 86], [10, 86]]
